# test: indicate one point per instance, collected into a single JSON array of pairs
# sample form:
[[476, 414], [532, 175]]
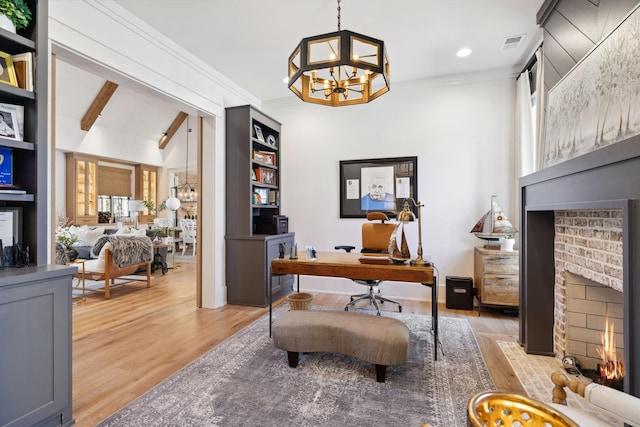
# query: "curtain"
[[540, 109], [114, 181], [525, 135]]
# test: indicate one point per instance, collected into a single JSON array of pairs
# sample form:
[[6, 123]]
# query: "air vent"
[[512, 42]]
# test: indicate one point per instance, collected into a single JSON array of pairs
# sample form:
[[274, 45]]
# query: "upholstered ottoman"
[[379, 340]]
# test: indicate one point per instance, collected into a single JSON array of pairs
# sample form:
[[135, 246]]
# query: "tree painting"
[[598, 102]]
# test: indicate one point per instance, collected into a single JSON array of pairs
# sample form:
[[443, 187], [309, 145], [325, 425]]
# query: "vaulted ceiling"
[[249, 41]]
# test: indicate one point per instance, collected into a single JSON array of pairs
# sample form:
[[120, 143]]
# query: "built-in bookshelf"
[[23, 136], [255, 233]]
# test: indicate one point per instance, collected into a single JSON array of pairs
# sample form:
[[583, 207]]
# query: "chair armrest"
[[345, 248]]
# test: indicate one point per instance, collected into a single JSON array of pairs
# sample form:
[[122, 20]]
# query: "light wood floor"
[[126, 345]]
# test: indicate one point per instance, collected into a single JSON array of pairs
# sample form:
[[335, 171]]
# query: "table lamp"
[[135, 207], [406, 215]]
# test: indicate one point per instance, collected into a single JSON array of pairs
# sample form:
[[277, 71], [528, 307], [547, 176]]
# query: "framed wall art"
[[596, 103], [377, 185]]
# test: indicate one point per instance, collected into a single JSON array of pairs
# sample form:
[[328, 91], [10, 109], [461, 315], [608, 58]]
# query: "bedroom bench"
[[382, 341]]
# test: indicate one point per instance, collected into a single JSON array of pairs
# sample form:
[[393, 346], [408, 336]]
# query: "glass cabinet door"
[[86, 188]]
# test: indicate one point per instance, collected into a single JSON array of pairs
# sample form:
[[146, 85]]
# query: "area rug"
[[246, 381], [97, 286], [534, 373]]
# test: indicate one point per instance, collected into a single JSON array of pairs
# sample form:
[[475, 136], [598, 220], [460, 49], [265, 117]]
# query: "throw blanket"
[[127, 250]]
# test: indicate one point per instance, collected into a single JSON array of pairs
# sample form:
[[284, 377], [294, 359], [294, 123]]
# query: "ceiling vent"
[[512, 42]]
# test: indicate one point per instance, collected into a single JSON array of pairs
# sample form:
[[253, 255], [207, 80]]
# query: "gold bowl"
[[495, 408]]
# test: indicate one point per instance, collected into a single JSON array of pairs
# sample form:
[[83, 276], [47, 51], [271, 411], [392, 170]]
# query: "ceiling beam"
[[177, 122], [98, 105]]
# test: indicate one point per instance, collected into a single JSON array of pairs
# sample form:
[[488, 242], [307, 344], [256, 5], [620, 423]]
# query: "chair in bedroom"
[[375, 239], [188, 227]]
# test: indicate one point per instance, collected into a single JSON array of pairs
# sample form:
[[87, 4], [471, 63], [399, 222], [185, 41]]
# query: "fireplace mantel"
[[608, 178]]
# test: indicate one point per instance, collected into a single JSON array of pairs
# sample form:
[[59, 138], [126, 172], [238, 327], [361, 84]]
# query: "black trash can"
[[459, 293]]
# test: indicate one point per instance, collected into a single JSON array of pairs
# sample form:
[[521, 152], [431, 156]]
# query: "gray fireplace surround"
[[608, 178]]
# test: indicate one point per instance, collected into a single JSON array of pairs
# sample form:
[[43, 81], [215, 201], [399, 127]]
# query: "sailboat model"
[[494, 224], [398, 255]]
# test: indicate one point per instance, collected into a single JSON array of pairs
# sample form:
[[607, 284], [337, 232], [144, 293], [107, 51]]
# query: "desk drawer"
[[500, 264], [501, 289]]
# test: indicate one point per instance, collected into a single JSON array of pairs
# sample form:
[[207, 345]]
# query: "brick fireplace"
[[588, 282], [606, 180]]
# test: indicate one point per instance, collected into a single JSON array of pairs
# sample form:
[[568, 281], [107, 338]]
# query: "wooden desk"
[[341, 264]]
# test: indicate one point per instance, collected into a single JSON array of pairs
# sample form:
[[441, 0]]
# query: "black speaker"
[[459, 293]]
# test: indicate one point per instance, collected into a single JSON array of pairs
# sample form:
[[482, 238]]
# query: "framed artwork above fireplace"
[[597, 103]]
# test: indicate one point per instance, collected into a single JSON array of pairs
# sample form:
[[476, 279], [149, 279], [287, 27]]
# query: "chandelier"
[[339, 68], [186, 191]]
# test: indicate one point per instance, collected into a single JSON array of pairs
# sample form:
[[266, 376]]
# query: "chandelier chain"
[[338, 15]]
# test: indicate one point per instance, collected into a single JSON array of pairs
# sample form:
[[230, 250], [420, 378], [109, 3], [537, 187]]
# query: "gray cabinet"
[[35, 349], [254, 224], [248, 268]]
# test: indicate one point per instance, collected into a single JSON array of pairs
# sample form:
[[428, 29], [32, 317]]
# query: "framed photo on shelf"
[[269, 158], [269, 176], [9, 127], [10, 226], [265, 176], [259, 134], [258, 156], [19, 111], [7, 72], [261, 196], [377, 185]]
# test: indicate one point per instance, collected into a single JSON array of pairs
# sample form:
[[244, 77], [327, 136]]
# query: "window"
[[117, 206]]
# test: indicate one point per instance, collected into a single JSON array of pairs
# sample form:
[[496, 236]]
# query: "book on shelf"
[[12, 191], [23, 66], [16, 111]]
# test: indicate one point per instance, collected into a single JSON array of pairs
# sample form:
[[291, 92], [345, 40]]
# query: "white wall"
[[461, 129]]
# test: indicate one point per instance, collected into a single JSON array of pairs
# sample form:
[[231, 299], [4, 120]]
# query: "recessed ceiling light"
[[465, 51], [285, 80]]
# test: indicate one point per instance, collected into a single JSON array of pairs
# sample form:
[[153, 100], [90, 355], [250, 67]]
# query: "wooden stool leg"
[[381, 373], [293, 358]]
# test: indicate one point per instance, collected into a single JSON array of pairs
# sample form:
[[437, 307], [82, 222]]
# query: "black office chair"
[[375, 239]]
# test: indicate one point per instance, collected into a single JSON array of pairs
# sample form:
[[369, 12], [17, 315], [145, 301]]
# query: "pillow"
[[123, 230], [91, 236], [98, 265], [80, 232], [140, 232]]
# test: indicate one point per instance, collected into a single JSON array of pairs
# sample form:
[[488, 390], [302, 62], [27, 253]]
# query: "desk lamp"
[[406, 215]]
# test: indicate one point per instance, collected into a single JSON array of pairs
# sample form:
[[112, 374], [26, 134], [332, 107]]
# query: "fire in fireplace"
[[611, 368], [611, 371]]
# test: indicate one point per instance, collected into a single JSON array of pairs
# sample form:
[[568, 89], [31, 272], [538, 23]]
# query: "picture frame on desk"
[[398, 177], [7, 72]]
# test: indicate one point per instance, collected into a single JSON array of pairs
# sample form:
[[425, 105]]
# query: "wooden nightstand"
[[496, 274]]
